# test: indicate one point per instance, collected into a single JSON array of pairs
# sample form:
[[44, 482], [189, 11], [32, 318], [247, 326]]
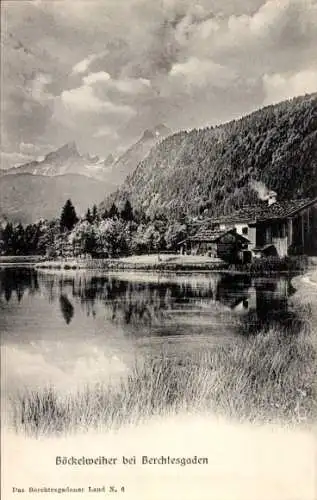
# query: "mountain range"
[[63, 161], [38, 189], [216, 169], [206, 171]]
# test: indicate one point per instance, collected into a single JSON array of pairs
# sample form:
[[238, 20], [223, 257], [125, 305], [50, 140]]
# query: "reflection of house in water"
[[264, 304], [265, 297], [149, 303], [233, 291], [173, 302]]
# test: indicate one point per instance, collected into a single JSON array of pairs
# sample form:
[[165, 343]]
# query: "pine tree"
[[88, 216], [7, 239], [18, 240], [94, 213], [105, 214], [113, 212], [68, 217], [127, 212]]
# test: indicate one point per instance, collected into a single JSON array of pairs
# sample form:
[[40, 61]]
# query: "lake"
[[72, 328]]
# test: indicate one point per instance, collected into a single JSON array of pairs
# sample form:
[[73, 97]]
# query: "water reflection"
[[17, 281], [67, 308], [164, 303]]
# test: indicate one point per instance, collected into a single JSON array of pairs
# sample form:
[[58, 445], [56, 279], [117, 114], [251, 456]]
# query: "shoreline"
[[160, 263]]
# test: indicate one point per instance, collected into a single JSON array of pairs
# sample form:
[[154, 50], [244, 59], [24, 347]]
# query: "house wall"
[[281, 246], [204, 248], [313, 230], [275, 233], [302, 232], [251, 236], [228, 248], [240, 227]]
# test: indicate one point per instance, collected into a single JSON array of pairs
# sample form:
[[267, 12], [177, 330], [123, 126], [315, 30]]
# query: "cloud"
[[279, 35], [105, 131], [101, 97], [26, 152], [201, 73], [101, 76], [83, 66], [29, 149], [285, 21], [131, 86], [9, 160], [120, 67], [278, 86], [39, 87], [83, 100], [122, 85]]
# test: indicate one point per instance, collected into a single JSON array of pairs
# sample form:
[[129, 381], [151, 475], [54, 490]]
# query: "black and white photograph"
[[158, 249]]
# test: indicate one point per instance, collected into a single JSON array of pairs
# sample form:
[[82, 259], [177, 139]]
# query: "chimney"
[[271, 197]]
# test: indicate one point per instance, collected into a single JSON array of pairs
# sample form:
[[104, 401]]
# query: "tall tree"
[[7, 239], [113, 212], [18, 240], [105, 214], [127, 211], [68, 217], [94, 213], [88, 216]]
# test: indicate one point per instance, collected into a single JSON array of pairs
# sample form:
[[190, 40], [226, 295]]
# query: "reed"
[[268, 377]]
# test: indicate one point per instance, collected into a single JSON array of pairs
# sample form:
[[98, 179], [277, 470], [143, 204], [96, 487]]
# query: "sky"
[[101, 72]]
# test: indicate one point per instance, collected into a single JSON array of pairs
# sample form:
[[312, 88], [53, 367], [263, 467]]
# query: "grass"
[[153, 262], [273, 265], [20, 259], [269, 377], [177, 262]]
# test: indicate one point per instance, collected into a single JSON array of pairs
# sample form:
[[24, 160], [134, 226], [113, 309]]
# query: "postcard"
[[158, 249]]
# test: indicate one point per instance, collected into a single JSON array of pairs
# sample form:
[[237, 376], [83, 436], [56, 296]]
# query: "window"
[[245, 230]]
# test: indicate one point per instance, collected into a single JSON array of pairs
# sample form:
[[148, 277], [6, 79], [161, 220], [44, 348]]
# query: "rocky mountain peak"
[[109, 160], [158, 131], [69, 150], [162, 130]]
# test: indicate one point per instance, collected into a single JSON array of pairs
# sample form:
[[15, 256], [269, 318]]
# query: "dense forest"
[[113, 233], [213, 170]]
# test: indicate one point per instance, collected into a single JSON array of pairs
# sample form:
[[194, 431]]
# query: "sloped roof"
[[278, 210], [212, 236]]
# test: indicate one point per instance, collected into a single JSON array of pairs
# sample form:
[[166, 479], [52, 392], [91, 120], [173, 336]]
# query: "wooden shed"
[[227, 245]]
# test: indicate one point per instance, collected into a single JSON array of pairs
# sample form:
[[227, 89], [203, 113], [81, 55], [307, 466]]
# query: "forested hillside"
[[214, 169]]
